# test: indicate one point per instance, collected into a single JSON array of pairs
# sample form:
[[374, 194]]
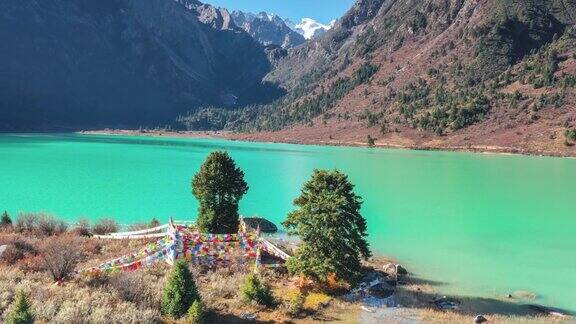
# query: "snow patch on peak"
[[311, 28]]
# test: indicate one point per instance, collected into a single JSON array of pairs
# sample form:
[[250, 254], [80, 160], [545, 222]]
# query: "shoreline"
[[413, 296], [227, 135]]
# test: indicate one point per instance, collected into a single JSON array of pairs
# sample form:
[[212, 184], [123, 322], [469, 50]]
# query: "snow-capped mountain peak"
[[268, 29], [311, 28]]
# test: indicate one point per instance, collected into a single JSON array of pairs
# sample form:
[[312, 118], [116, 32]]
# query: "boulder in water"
[[401, 270], [446, 303], [526, 295], [381, 290], [266, 226], [2, 249], [395, 269], [548, 310]]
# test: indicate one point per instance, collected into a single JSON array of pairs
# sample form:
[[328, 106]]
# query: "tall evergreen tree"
[[180, 291], [22, 313], [332, 230], [219, 186], [5, 220]]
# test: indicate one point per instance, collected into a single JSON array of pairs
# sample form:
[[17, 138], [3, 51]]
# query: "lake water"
[[476, 224]]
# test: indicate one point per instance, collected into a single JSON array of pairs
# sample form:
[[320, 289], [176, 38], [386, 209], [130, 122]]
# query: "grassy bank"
[[133, 297]]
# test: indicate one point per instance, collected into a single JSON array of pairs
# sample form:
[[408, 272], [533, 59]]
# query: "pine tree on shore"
[[5, 220], [180, 291], [332, 230], [22, 313], [219, 186]]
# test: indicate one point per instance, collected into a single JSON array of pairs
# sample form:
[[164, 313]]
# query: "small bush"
[[136, 288], [91, 247], [82, 228], [26, 222], [5, 220], [61, 255], [256, 292], [295, 305], [154, 223], [196, 313], [370, 141], [180, 291], [48, 225], [105, 226], [138, 227], [40, 224], [22, 313], [222, 283]]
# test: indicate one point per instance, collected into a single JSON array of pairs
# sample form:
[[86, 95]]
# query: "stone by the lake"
[[2, 249], [266, 226], [381, 290]]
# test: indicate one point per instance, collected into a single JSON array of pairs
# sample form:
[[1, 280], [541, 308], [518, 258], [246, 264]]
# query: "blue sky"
[[323, 11]]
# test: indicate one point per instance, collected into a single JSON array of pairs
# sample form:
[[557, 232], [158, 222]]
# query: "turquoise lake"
[[476, 224]]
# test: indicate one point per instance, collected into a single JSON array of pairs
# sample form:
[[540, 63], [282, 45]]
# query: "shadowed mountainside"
[[83, 63]]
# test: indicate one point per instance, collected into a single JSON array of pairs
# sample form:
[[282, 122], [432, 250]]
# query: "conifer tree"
[[5, 220], [219, 186], [22, 313], [332, 230], [196, 313], [256, 291], [180, 291]]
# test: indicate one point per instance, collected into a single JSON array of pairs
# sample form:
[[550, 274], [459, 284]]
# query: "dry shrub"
[[89, 305], [139, 288], [40, 224], [138, 227], [221, 284], [105, 226], [82, 228], [72, 302], [91, 247], [32, 264], [17, 249], [13, 280], [61, 255]]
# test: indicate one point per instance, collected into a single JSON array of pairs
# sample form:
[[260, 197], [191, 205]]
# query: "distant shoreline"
[[259, 138]]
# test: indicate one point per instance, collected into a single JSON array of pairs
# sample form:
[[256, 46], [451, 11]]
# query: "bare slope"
[[477, 74]]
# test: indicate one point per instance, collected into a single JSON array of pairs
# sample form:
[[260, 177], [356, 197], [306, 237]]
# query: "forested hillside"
[[434, 73]]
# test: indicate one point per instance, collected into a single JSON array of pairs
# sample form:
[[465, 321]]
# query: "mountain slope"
[[268, 29], [476, 74], [83, 63]]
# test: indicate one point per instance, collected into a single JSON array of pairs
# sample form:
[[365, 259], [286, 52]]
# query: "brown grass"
[[135, 297]]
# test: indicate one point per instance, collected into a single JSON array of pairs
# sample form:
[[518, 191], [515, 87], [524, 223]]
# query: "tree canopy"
[[219, 186], [332, 230]]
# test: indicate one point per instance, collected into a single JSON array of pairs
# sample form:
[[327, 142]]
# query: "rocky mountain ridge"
[[268, 29]]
